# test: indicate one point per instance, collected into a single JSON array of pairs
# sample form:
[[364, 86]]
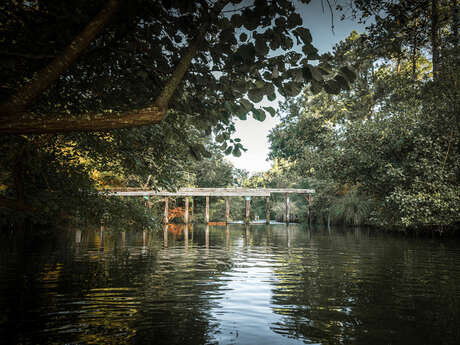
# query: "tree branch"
[[180, 70], [44, 78], [332, 16], [85, 123], [95, 122]]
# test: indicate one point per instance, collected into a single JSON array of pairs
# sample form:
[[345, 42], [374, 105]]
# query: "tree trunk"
[[414, 51], [455, 23], [434, 38]]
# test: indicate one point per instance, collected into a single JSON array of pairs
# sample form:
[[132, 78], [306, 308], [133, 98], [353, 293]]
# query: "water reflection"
[[239, 284], [101, 235], [186, 236], [165, 235], [78, 236]]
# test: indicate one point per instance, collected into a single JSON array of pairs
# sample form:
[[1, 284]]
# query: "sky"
[[253, 133]]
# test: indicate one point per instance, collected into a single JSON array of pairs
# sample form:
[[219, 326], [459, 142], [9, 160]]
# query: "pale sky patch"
[[254, 133]]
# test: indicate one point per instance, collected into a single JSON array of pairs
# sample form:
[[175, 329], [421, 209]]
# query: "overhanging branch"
[[44, 78], [95, 122], [86, 123]]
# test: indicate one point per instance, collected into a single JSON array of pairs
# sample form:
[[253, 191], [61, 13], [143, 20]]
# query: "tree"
[[412, 26], [388, 146], [164, 35], [179, 69]]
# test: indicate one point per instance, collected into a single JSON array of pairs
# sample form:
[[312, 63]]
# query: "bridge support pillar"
[[227, 209], [267, 210], [287, 208], [206, 214], [186, 210], [166, 212], [248, 210]]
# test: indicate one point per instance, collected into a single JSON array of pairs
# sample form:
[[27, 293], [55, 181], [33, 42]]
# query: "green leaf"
[[239, 110], [348, 73], [304, 34], [251, 20], [258, 114], [332, 87], [297, 74], [274, 40], [228, 150], [315, 87], [324, 70], [292, 89], [228, 106], [236, 152], [260, 84], [246, 104], [243, 37], [246, 52], [195, 152], [267, 75], [315, 73], [261, 46], [311, 52], [294, 20], [268, 88], [206, 154], [271, 110], [286, 43], [271, 97], [255, 95], [242, 116], [220, 138], [307, 76], [342, 82]]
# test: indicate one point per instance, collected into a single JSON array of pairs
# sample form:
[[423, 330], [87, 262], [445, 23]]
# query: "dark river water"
[[229, 285]]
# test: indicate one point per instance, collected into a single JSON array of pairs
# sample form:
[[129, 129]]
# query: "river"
[[229, 285]]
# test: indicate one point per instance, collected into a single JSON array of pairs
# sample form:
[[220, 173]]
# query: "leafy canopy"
[[78, 76]]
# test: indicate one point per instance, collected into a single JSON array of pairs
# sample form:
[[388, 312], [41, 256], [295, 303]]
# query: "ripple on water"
[[263, 285]]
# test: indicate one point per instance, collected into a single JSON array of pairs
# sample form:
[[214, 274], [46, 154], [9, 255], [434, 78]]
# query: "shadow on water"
[[233, 284]]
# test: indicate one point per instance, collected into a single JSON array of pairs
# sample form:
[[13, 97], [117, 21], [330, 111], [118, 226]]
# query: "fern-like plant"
[[351, 208]]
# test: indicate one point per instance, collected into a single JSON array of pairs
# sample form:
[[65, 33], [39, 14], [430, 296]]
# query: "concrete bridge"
[[187, 193]]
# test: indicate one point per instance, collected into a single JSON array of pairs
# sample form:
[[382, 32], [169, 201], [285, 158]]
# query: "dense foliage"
[[107, 93], [386, 152]]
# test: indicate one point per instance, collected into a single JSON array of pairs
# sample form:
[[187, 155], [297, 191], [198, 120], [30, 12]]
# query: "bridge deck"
[[209, 192]]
